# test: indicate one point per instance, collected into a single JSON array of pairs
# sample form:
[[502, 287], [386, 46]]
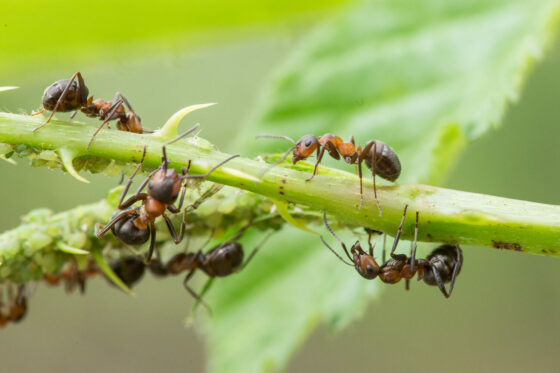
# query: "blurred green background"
[[503, 314]]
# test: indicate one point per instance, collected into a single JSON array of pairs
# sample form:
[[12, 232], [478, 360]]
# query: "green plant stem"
[[445, 215]]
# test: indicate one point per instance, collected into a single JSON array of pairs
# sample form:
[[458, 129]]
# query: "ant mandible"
[[71, 95], [17, 307], [379, 157], [440, 267], [135, 225]]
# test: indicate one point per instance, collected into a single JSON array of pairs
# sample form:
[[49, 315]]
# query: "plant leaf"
[[61, 30], [424, 78]]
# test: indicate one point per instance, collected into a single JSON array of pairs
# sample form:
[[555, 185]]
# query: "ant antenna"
[[335, 253], [330, 229], [212, 169], [208, 239], [252, 255], [276, 137], [189, 131], [276, 163]]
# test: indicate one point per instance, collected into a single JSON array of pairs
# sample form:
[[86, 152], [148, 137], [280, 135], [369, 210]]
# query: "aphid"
[[16, 307], [72, 277], [72, 95], [379, 157], [135, 225], [440, 267]]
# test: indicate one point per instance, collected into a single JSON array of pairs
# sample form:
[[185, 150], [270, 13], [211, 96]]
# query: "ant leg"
[[439, 282], [458, 266], [129, 182], [192, 293], [114, 221], [164, 161], [108, 117], [189, 131], [320, 152], [398, 235], [185, 171], [37, 113], [238, 235], [251, 256], [202, 176], [62, 97], [73, 114], [373, 173], [152, 242], [361, 187], [172, 231], [414, 246], [207, 194], [371, 144], [384, 243]]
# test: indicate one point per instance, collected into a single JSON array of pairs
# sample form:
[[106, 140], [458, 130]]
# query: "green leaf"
[[42, 32], [426, 78]]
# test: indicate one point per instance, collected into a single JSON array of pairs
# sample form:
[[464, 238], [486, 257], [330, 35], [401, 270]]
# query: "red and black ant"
[[221, 261], [16, 307], [71, 276], [135, 225], [71, 95], [440, 267], [379, 157]]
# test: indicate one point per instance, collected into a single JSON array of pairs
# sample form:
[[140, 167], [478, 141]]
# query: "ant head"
[[129, 269], [165, 185], [73, 99], [304, 148], [365, 264], [129, 232]]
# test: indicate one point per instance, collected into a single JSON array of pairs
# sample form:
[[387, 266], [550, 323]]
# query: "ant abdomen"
[[128, 232], [129, 269], [387, 164], [224, 261], [74, 99], [444, 259]]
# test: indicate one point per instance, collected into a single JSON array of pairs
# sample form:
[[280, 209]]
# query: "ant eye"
[[151, 185], [308, 142]]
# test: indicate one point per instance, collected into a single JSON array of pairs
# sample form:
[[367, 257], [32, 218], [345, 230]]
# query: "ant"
[[379, 157], [16, 308], [71, 95], [135, 225], [440, 267], [71, 276], [221, 261], [129, 269]]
